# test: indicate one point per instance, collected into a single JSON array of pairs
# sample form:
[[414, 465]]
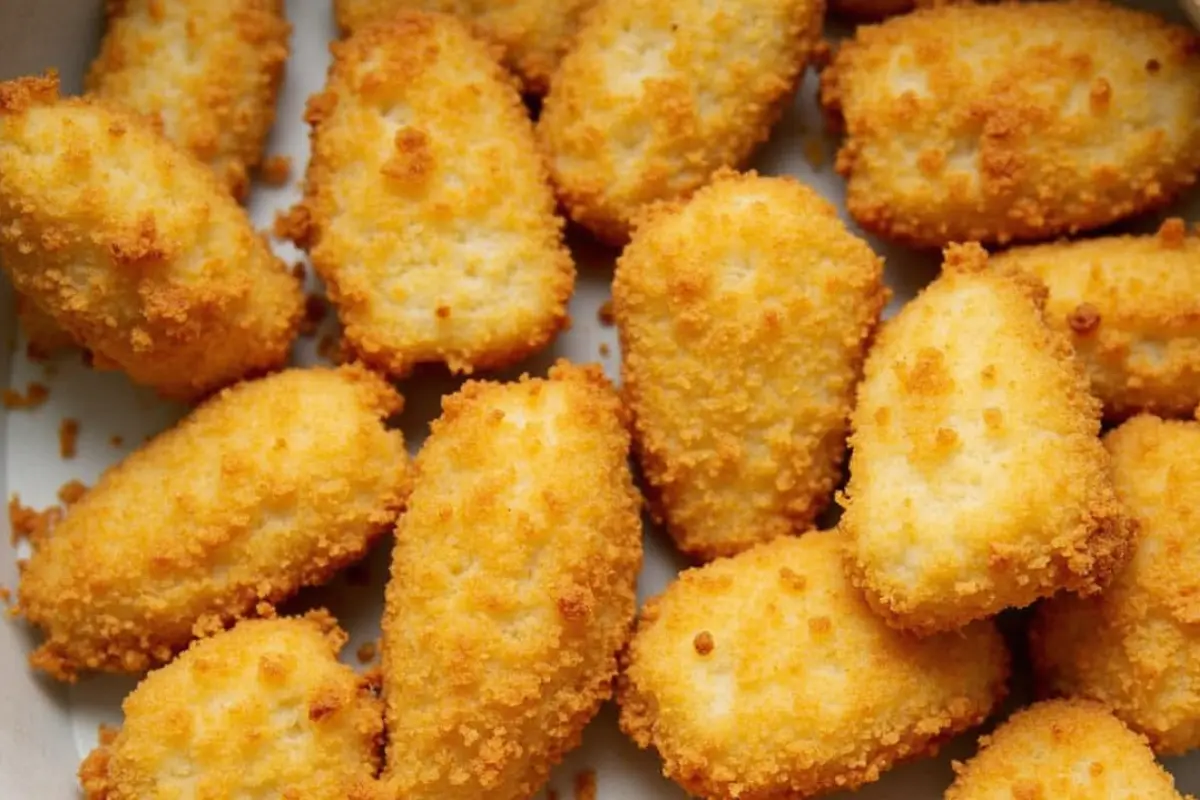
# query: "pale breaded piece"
[[427, 210], [655, 97], [1014, 121], [1131, 307], [271, 485], [133, 247], [744, 316], [765, 676], [1136, 647], [261, 712], [43, 334], [208, 71], [977, 478], [1063, 750], [512, 586]]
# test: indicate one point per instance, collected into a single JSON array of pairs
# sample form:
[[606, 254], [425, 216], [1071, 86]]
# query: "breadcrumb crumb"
[[71, 491], [366, 652], [29, 524], [604, 314], [605, 350], [68, 437], [116, 441], [35, 395], [277, 170]]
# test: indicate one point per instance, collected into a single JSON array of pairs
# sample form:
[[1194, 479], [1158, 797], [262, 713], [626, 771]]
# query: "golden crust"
[[512, 586], [1014, 121], [427, 209], [269, 486], [766, 677], [977, 411], [655, 97], [261, 712], [744, 316]]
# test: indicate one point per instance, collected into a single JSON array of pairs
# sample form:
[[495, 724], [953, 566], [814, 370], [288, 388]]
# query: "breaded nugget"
[[208, 71], [269, 486], [261, 712], [1131, 307], [1136, 647], [1062, 750], [133, 247], [43, 334], [426, 208], [765, 676], [744, 316], [655, 97], [1014, 121], [512, 586], [977, 479]]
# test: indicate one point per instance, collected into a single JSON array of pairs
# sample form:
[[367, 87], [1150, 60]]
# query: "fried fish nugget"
[[207, 70], [1131, 307], [654, 98], [427, 209], [744, 316], [512, 586], [977, 478], [261, 712], [133, 247], [765, 675], [269, 486], [1065, 750], [1015, 121]]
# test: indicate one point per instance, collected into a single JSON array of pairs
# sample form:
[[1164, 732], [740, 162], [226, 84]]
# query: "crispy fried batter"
[[512, 586], [271, 485], [1014, 121], [744, 316]]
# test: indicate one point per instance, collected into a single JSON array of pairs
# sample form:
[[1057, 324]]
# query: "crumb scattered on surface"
[[605, 314], [30, 524], [68, 437], [585, 785], [70, 492], [814, 151], [35, 394], [604, 350], [277, 170], [116, 441], [299, 271], [315, 309], [366, 652]]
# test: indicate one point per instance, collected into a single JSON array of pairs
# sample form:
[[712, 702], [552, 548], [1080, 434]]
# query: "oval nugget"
[[269, 486], [744, 316], [977, 478], [262, 712], [765, 675], [1014, 121], [426, 208], [654, 98], [512, 586]]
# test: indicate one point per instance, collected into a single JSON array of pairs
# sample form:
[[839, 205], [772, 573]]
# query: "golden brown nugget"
[[765, 675], [744, 316], [207, 71], [269, 486], [133, 247], [977, 478], [1014, 121], [1065, 750], [512, 586], [654, 98], [426, 208], [262, 712], [1131, 307]]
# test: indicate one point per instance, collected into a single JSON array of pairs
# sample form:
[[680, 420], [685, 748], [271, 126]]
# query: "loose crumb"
[[35, 394], [315, 309], [116, 441], [605, 314], [5, 595], [366, 652], [299, 271], [70, 492], [703, 643], [814, 151], [604, 350], [107, 733], [585, 785], [29, 524], [68, 437], [277, 170], [329, 348]]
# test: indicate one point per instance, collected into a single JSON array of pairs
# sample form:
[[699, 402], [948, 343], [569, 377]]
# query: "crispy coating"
[[134, 248], [655, 97], [427, 209], [271, 485], [1063, 750], [44, 336], [206, 71], [261, 712], [977, 481], [1135, 647], [1131, 307], [744, 316], [512, 586], [1014, 121], [765, 676]]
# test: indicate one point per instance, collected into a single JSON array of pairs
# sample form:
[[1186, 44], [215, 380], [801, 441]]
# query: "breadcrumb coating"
[[271, 485], [261, 712], [654, 97], [1063, 750], [977, 478], [765, 676], [512, 586], [744, 315], [427, 209], [1014, 121]]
